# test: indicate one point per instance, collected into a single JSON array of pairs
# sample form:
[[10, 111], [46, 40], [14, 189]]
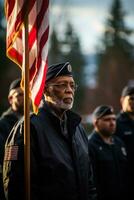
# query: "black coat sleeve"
[[92, 187], [13, 165]]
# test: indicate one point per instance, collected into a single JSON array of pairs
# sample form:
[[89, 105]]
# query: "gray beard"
[[62, 105]]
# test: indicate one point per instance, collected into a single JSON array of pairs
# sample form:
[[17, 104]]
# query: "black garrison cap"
[[102, 111], [15, 84], [59, 69], [128, 90]]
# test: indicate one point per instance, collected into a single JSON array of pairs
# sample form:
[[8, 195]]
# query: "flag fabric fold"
[[37, 12]]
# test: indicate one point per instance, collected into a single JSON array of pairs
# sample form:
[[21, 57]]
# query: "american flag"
[[38, 32]]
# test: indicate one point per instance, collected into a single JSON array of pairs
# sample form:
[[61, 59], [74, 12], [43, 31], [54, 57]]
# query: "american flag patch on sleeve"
[[11, 153]]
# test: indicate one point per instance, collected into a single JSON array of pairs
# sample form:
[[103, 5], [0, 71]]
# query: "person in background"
[[125, 130], [8, 120], [15, 111], [108, 155], [60, 165]]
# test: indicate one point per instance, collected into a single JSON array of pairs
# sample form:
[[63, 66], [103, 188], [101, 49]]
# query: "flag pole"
[[26, 114]]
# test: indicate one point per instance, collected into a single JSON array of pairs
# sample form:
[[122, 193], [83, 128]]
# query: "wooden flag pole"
[[26, 116]]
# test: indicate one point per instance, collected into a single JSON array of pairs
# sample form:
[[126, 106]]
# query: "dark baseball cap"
[[127, 91], [59, 69], [15, 84], [102, 111]]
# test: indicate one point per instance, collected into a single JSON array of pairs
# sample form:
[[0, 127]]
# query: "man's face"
[[106, 125], [127, 103], [16, 99], [60, 92]]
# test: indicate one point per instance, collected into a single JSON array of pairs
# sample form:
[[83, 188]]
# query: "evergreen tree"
[[115, 66], [116, 33], [55, 54], [74, 53]]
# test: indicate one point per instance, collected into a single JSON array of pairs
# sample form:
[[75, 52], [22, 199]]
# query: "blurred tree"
[[116, 32], [116, 59], [55, 54], [72, 52], [68, 48]]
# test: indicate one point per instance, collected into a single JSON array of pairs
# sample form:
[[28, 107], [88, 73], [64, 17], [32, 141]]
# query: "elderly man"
[[108, 155], [125, 129], [60, 167]]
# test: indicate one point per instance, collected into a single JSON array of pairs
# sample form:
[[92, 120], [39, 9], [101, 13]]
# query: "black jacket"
[[7, 121], [125, 130], [110, 167], [60, 167]]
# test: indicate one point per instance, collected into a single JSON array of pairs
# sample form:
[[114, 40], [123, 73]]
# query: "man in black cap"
[[125, 129], [108, 156], [60, 167], [9, 118], [15, 111]]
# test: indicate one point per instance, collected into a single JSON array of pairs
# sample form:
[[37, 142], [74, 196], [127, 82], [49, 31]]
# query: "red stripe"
[[43, 40], [31, 4], [13, 53], [32, 70], [40, 91], [42, 43], [9, 7], [32, 37]]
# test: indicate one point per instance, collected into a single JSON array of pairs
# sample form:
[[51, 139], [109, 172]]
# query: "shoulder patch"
[[11, 153]]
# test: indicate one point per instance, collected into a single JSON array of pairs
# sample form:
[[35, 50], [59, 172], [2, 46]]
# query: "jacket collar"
[[73, 119]]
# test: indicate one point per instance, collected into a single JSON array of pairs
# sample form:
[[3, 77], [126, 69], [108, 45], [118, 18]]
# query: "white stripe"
[[44, 53], [18, 45], [33, 54]]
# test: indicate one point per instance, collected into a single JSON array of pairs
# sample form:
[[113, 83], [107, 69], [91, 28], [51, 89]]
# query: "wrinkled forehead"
[[131, 96], [61, 79], [106, 117], [125, 98]]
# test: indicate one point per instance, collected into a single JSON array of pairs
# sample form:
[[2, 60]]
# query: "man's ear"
[[48, 90], [95, 122], [121, 100], [10, 97]]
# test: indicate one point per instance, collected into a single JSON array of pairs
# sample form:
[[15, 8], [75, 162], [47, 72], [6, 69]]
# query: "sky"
[[88, 18]]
